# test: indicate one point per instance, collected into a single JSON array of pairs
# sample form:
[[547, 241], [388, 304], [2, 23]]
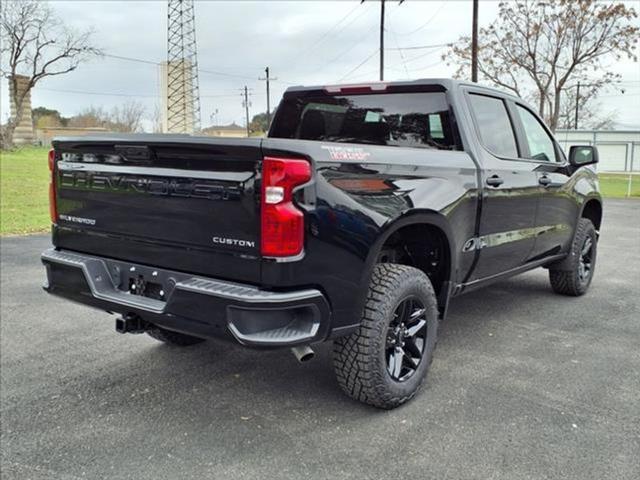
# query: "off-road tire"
[[565, 279], [359, 359], [173, 338]]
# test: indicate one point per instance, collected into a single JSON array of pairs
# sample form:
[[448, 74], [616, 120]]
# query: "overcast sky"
[[302, 42]]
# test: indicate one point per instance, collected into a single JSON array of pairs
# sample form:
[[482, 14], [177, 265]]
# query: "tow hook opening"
[[131, 323]]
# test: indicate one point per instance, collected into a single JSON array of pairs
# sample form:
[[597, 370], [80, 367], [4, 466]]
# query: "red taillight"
[[53, 208], [282, 233], [353, 89]]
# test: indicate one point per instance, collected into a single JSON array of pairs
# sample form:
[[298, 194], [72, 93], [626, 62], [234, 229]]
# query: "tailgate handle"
[[134, 153]]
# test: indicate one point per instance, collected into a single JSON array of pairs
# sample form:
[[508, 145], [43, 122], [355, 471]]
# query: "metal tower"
[[183, 91]]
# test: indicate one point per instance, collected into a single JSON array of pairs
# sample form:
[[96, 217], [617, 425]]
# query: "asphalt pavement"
[[525, 384]]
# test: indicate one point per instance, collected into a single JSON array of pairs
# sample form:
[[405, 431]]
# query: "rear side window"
[[494, 125], [540, 143], [420, 120]]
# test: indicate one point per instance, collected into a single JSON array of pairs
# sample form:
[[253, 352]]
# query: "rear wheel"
[[576, 272], [386, 360], [173, 338]]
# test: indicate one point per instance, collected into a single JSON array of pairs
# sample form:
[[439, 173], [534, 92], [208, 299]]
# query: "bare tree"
[[91, 117], [128, 117], [590, 110], [156, 119], [537, 49], [36, 44]]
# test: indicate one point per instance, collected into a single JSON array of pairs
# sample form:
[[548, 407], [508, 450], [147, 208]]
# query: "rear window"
[[420, 120]]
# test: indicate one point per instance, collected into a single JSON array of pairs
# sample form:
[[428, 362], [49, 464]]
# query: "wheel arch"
[[592, 210], [403, 232]]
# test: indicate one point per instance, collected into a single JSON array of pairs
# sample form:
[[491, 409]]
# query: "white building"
[[619, 150]]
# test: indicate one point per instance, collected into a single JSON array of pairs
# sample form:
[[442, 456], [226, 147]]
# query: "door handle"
[[495, 181], [544, 181]]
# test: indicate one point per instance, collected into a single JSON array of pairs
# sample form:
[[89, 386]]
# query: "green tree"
[[259, 123], [46, 117]]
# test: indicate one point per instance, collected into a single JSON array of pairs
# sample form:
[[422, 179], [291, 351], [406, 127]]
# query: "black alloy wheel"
[[406, 339], [585, 262]]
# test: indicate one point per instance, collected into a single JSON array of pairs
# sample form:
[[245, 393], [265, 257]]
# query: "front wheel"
[[386, 360], [574, 275]]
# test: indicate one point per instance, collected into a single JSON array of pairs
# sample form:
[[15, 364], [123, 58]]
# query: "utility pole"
[[245, 104], [577, 104], [267, 78], [382, 40], [474, 43], [382, 36]]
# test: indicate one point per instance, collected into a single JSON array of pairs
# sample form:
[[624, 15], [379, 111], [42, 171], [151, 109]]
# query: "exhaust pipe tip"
[[303, 353]]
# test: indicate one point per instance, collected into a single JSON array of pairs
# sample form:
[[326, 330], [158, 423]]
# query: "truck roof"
[[446, 83]]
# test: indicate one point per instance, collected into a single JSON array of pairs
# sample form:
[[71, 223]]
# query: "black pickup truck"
[[356, 220]]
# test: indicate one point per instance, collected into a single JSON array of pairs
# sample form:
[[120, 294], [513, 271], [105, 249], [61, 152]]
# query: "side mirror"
[[583, 155]]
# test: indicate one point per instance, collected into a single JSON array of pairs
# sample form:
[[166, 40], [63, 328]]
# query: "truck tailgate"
[[174, 196]]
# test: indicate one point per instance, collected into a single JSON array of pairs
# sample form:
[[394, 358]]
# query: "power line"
[[359, 65], [223, 74], [108, 94], [395, 39], [226, 95], [362, 39], [200, 70], [130, 59], [413, 59], [333, 27], [344, 52], [373, 72], [426, 66], [114, 94], [420, 47], [442, 4]]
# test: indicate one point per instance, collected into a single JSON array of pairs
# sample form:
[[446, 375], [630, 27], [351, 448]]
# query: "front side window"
[[540, 143], [494, 125], [420, 120]]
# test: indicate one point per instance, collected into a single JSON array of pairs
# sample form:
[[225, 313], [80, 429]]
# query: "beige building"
[[232, 131], [179, 116], [23, 133]]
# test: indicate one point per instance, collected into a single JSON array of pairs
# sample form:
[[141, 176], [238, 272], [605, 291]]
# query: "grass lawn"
[[616, 185], [24, 190]]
